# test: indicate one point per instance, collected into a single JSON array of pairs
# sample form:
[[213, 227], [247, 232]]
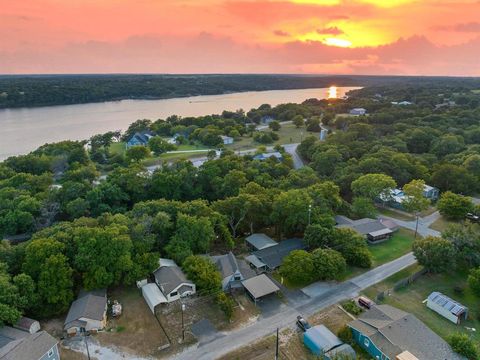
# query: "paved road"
[[286, 314], [423, 224], [198, 161]]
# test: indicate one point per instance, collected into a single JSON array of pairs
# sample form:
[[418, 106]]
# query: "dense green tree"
[[353, 247], [317, 235], [274, 125], [298, 267], [329, 264], [298, 121], [466, 240], [363, 207], [450, 177], [434, 253], [203, 272], [454, 206], [137, 153], [372, 186], [474, 281], [290, 211], [159, 145]]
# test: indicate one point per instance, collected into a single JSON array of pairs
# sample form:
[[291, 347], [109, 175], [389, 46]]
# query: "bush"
[[352, 307], [463, 345], [454, 206], [474, 281], [298, 267], [345, 334], [226, 304]]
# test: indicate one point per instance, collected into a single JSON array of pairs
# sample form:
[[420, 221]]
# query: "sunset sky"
[[423, 37]]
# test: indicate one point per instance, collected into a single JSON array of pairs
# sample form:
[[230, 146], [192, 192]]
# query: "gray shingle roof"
[[226, 264], [30, 347], [90, 305], [274, 255], [394, 331], [169, 278], [260, 286]]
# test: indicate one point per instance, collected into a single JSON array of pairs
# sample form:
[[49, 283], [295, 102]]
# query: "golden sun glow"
[[332, 92], [337, 42]]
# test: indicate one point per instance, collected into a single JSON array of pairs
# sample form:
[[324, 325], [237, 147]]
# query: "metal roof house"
[[322, 342], [153, 296], [259, 286], [264, 156], [448, 308], [388, 333], [227, 140], [16, 344], [88, 312], [358, 111], [259, 242], [271, 257]]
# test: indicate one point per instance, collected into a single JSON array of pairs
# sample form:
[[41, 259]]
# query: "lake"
[[23, 130]]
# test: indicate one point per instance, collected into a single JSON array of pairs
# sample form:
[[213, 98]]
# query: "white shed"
[[153, 296], [447, 307]]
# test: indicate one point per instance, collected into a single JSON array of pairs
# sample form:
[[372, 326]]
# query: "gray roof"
[[394, 331], [343, 351], [273, 256], [323, 338], [89, 305], [365, 226], [449, 304], [226, 264], [169, 278], [29, 347], [260, 286], [260, 241]]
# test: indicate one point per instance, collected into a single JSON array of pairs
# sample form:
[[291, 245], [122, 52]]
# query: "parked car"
[[473, 217], [366, 303], [302, 323]]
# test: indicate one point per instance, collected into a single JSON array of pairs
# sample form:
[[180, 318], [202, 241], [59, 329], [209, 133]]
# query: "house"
[[88, 312], [139, 139], [259, 286], [323, 135], [227, 140], [266, 120], [358, 112], [388, 333], [266, 156], [259, 241], [153, 296], [396, 197], [16, 344], [270, 258], [231, 273], [322, 342], [402, 103], [26, 324], [172, 281], [374, 230], [448, 308]]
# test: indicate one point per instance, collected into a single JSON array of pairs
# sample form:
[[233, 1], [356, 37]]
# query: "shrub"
[[462, 344], [352, 307], [226, 304], [345, 334]]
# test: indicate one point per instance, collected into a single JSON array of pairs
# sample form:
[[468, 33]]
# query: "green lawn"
[[400, 215], [288, 134], [410, 299], [441, 224]]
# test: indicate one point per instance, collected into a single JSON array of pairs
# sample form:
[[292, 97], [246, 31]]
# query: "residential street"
[[423, 224], [286, 314]]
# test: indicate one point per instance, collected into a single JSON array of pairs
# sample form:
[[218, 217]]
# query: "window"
[[238, 277], [175, 293], [50, 353], [366, 342]]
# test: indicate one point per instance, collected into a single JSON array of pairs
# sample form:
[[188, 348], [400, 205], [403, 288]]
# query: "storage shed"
[[322, 342], [447, 307], [153, 296]]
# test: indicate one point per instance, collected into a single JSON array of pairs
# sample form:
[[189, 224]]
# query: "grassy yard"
[[441, 224], [288, 134], [396, 214], [410, 299], [399, 245]]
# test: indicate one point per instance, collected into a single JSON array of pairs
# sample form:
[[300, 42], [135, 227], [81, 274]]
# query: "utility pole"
[[416, 225], [276, 348], [309, 213], [183, 324]]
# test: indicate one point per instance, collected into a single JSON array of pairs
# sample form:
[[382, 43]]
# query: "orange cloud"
[[397, 36]]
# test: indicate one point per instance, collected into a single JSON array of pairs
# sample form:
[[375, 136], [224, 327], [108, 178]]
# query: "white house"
[[448, 308], [172, 281], [227, 140], [358, 112]]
